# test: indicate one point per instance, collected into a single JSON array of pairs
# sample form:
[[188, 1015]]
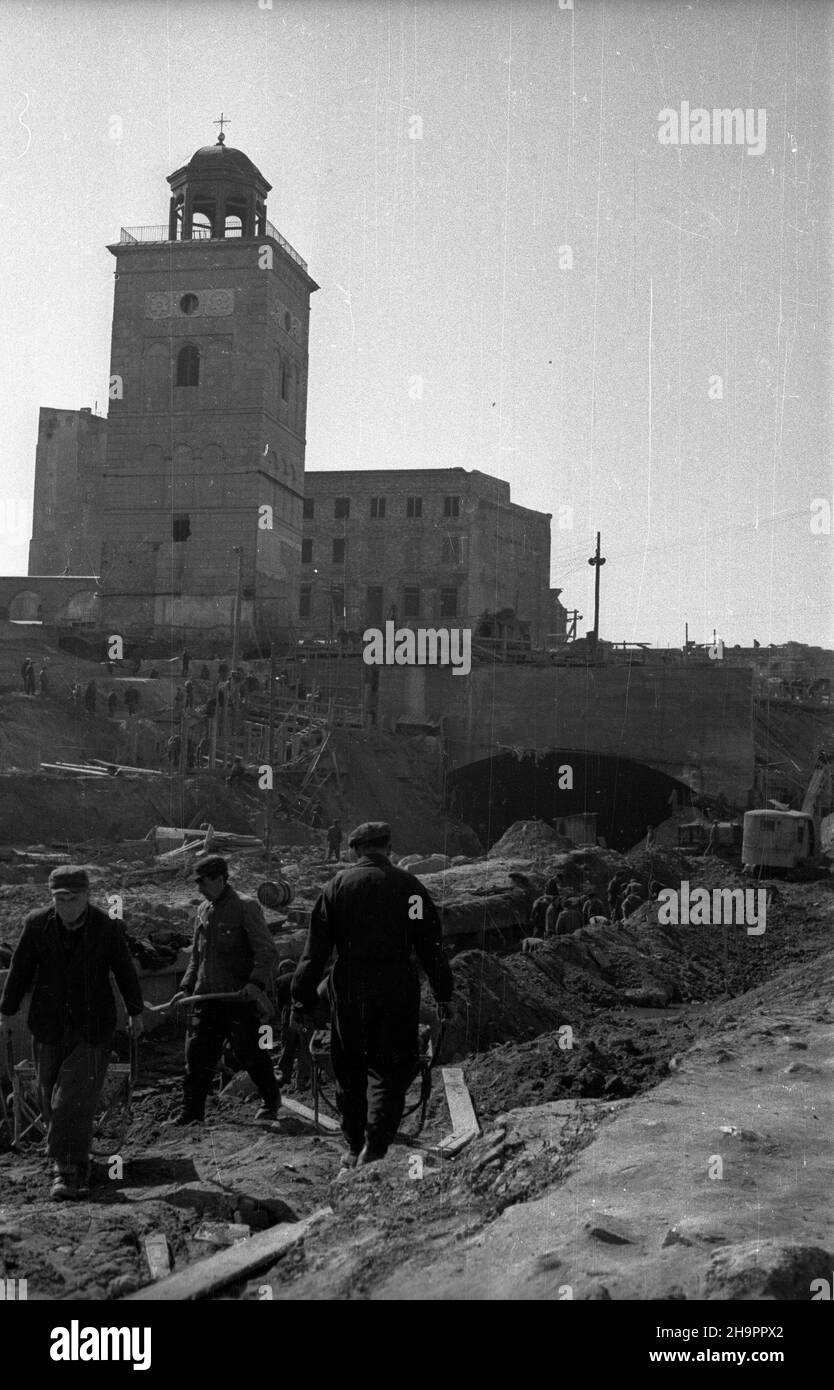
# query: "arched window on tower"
[[188, 366]]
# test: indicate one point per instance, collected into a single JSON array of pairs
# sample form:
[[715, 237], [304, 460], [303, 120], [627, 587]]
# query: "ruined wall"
[[69, 461], [695, 725]]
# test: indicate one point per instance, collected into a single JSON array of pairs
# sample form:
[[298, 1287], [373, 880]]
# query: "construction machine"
[[784, 839]]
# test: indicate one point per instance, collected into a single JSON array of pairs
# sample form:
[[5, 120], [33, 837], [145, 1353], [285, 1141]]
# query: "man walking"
[[65, 955], [233, 952], [27, 672], [334, 841], [376, 917]]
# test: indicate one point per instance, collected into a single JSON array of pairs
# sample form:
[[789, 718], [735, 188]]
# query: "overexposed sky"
[[671, 387]]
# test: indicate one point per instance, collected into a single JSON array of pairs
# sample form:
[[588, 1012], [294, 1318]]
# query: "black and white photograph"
[[417, 668]]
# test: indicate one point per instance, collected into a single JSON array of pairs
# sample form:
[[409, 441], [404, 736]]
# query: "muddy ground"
[[559, 1048]]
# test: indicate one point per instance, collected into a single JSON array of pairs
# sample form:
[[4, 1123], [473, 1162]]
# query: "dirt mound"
[[529, 839], [44, 808]]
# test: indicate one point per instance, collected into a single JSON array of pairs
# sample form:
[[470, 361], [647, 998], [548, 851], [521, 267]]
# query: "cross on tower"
[[224, 120]]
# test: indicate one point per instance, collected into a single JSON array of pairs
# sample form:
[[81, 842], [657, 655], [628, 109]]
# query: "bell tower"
[[204, 480]]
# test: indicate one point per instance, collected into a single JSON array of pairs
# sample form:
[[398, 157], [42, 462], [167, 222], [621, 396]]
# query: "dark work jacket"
[[71, 993], [232, 947], [363, 915]]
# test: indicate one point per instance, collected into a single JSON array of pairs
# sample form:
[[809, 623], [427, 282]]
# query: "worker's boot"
[[268, 1110], [64, 1185], [371, 1153]]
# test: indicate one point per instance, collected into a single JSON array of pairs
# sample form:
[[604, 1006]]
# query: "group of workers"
[[373, 919], [562, 909]]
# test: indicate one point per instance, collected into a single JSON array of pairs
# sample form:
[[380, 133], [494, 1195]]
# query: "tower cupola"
[[219, 193]]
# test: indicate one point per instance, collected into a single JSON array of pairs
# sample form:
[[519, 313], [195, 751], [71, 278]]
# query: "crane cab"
[[776, 839]]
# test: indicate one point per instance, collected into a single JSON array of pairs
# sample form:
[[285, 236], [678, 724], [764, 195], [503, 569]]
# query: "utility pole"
[[270, 759], [597, 561], [238, 550]]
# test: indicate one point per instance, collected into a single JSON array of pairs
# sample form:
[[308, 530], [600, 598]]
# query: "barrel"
[[275, 895]]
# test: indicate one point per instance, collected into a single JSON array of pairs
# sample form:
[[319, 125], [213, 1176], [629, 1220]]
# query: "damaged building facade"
[[440, 547]]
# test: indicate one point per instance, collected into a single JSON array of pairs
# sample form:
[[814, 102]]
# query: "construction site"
[[565, 1140]]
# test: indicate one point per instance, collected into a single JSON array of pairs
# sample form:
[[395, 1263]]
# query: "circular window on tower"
[[189, 303]]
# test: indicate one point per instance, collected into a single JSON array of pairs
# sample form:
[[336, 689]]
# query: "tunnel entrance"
[[627, 796]]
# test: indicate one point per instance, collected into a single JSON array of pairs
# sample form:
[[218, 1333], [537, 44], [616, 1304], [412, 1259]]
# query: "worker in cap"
[[232, 953], [65, 956], [380, 921]]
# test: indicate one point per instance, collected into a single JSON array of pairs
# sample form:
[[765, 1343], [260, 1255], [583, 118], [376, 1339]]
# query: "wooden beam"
[[303, 1112], [465, 1125], [229, 1265]]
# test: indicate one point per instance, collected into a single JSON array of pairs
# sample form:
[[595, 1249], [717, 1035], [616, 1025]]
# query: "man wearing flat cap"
[[233, 953], [65, 956], [379, 920]]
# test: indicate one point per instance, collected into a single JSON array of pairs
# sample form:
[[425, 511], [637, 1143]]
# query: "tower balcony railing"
[[131, 236]]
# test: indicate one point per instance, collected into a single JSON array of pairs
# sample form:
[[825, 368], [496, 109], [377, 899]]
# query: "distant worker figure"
[[75, 695], [43, 681], [189, 694], [90, 697], [174, 748], [186, 658], [565, 921], [237, 773], [131, 700], [334, 841], [538, 912], [650, 840], [111, 704], [376, 918], [233, 952], [27, 672], [592, 906], [178, 702]]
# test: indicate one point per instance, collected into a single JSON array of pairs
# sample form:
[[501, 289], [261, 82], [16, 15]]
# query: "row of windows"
[[413, 508], [410, 606], [451, 551], [188, 374]]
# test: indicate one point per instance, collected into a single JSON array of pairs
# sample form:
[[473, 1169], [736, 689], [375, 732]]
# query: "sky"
[[522, 266]]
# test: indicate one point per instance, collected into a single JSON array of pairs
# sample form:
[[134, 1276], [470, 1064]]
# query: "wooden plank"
[[158, 1255], [228, 1265], [465, 1125], [294, 1107]]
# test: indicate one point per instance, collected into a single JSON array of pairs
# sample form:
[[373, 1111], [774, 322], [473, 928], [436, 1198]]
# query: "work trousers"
[[216, 1024], [374, 1051], [70, 1079]]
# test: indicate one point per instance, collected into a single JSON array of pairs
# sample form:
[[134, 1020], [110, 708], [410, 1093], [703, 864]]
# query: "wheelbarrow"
[[111, 1121]]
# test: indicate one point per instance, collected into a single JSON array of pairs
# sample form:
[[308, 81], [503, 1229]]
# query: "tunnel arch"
[[26, 607], [627, 796], [80, 607]]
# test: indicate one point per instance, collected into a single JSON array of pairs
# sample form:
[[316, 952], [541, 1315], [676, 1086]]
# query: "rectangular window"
[[309, 508], [338, 551], [451, 506], [448, 603], [305, 601], [181, 528], [377, 508], [411, 601], [306, 552], [451, 550], [373, 605], [341, 510], [414, 507], [337, 602]]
